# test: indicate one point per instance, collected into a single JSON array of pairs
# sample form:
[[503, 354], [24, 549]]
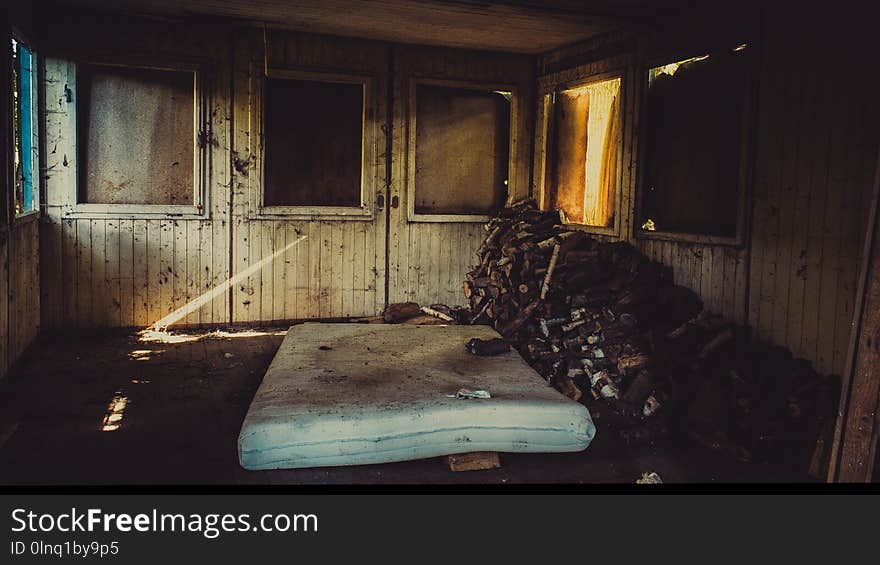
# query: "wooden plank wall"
[[793, 278], [717, 273], [19, 237], [818, 134], [310, 266], [19, 290], [118, 269], [428, 260]]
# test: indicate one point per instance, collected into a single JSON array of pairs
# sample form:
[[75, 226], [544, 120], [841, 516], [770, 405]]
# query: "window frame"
[[548, 86], [414, 83], [369, 141], [36, 185], [202, 126], [747, 144]]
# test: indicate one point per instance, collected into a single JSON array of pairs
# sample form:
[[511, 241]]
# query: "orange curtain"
[[608, 175]]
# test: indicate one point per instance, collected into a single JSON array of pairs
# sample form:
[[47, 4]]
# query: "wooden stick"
[[855, 436], [550, 268]]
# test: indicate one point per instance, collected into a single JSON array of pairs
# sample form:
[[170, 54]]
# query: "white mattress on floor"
[[351, 394]]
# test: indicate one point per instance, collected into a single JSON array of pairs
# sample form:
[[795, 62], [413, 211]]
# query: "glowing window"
[[582, 152]]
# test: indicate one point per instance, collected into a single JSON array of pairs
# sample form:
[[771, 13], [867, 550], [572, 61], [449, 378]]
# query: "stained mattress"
[[352, 394]]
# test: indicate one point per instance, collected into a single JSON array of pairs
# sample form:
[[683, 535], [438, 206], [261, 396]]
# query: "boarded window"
[[25, 141], [314, 143], [462, 150], [136, 131], [693, 138], [583, 145]]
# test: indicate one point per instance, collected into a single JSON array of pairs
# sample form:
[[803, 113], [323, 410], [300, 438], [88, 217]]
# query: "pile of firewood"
[[604, 324], [573, 305]]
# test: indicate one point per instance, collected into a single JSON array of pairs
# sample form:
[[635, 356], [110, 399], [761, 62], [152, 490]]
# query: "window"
[[462, 149], [583, 142], [137, 136], [692, 174], [314, 134], [24, 122]]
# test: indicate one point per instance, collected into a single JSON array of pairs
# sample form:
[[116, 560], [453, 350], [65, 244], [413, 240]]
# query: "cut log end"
[[475, 461]]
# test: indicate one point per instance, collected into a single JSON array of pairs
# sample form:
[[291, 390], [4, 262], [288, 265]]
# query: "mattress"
[[352, 394]]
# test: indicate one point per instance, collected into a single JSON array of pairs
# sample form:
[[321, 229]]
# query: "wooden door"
[[452, 151], [308, 215]]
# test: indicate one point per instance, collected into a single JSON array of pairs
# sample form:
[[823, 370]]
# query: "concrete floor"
[[182, 401]]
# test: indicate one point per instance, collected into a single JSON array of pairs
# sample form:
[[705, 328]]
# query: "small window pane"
[[314, 137], [581, 177], [693, 140], [462, 150], [25, 146], [137, 140]]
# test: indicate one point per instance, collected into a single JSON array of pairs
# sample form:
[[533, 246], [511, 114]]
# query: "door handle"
[[380, 202], [395, 201]]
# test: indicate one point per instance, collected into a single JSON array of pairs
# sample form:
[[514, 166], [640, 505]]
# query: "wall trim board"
[[854, 449]]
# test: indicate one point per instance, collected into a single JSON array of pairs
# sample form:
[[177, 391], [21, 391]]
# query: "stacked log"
[[606, 326], [571, 304]]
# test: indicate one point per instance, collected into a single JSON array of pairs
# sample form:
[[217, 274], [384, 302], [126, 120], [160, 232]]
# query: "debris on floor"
[[487, 347], [468, 393], [400, 312], [651, 478], [412, 313], [600, 318]]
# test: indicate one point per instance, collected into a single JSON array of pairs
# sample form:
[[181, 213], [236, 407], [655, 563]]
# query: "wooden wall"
[[333, 265], [240, 261], [19, 290], [131, 269], [19, 237], [791, 278], [428, 259], [815, 137], [819, 127]]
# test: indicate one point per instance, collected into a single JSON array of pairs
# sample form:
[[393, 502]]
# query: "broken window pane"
[[583, 145], [462, 150], [693, 144], [24, 127], [136, 131], [313, 143]]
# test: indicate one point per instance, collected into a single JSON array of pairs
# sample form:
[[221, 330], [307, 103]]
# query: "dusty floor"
[[183, 403]]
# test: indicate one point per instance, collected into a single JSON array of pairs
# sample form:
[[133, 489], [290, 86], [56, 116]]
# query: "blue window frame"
[[24, 119]]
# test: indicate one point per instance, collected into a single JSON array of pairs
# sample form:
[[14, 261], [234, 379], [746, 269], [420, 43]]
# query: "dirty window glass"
[[24, 123], [136, 134], [313, 143], [694, 144], [462, 150]]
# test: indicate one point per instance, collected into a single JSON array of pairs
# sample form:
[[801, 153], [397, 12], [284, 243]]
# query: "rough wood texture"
[[117, 268], [793, 279], [428, 260], [854, 451], [815, 160], [19, 255], [19, 290], [530, 27], [295, 266], [476, 461]]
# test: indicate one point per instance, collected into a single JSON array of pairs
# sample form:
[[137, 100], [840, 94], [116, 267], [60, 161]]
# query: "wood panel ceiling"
[[522, 26]]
